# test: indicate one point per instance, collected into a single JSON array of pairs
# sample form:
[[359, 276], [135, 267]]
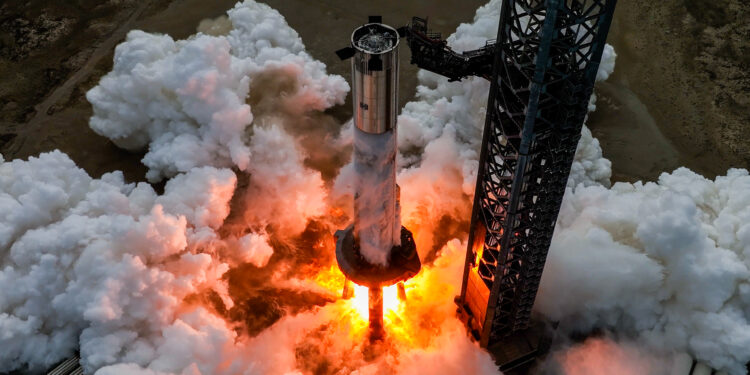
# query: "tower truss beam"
[[547, 56]]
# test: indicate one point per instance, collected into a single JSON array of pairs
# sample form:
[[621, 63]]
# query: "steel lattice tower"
[[542, 69], [546, 60]]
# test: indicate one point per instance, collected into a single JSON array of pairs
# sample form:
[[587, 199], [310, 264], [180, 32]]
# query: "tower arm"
[[430, 52]]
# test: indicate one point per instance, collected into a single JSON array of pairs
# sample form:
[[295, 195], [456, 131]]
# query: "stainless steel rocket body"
[[377, 224], [375, 250], [375, 78]]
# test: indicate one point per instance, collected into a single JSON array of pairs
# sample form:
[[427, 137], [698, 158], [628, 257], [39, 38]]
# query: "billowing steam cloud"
[[102, 265], [187, 103], [598, 355], [117, 271], [143, 283], [665, 261], [186, 100]]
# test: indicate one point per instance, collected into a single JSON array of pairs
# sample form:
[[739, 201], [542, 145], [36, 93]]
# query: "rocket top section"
[[375, 78], [375, 38]]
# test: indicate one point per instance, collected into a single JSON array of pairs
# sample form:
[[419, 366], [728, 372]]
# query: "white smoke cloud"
[[282, 192], [589, 166], [183, 100], [599, 355], [665, 261], [186, 100], [109, 268], [102, 265]]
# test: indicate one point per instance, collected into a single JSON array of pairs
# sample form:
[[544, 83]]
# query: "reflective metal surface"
[[375, 78]]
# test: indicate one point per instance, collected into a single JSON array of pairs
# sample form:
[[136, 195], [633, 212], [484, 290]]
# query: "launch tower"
[[542, 69]]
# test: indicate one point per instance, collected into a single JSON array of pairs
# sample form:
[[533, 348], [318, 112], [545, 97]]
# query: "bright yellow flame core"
[[425, 315], [398, 326], [360, 301], [390, 299]]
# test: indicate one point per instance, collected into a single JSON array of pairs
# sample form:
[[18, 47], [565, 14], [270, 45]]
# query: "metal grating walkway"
[[69, 366]]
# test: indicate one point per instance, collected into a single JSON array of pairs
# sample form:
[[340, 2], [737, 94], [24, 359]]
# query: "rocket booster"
[[375, 250]]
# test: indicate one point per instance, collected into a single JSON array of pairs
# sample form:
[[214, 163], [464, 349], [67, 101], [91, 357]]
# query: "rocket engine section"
[[375, 251]]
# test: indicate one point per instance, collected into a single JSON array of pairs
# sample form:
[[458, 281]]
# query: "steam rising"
[[147, 283], [118, 272], [102, 265], [664, 261], [185, 100]]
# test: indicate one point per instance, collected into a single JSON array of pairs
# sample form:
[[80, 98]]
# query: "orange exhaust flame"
[[332, 280], [421, 325]]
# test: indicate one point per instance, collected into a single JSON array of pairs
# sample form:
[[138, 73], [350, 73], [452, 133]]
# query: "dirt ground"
[[679, 95]]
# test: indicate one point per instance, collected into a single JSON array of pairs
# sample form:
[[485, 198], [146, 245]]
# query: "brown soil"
[[52, 52], [679, 95]]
